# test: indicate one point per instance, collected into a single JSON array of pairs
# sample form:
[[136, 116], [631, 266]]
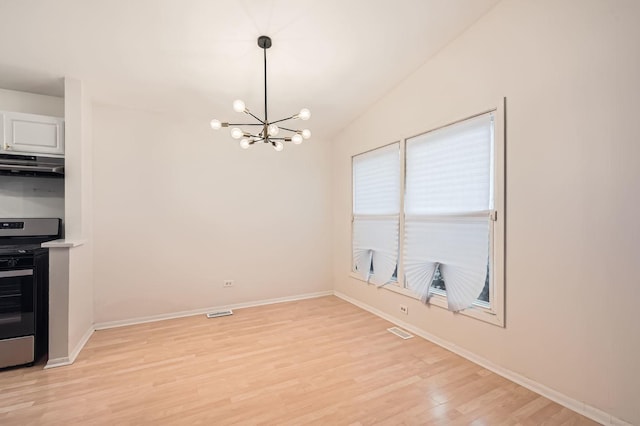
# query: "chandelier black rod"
[[266, 117]]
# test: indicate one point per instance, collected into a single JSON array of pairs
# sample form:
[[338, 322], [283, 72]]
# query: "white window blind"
[[376, 206], [449, 169], [448, 203]]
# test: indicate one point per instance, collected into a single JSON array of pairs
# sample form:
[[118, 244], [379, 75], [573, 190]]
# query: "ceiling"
[[195, 57]]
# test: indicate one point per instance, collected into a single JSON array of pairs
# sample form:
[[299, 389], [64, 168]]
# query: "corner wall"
[[71, 284], [79, 212], [569, 71], [71, 259]]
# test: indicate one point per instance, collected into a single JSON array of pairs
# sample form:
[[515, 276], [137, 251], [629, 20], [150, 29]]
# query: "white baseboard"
[[83, 341], [68, 360], [57, 362], [160, 317], [564, 400]]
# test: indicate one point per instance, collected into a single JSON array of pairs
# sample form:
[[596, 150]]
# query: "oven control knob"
[[12, 262]]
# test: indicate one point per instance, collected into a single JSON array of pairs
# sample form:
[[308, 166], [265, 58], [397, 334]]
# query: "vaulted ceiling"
[[195, 57]]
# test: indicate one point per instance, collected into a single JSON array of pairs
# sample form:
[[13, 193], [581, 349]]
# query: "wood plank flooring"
[[319, 361]]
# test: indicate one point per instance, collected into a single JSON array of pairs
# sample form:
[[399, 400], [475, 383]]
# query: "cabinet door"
[[35, 134]]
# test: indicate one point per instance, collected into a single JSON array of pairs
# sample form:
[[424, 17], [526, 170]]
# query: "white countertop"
[[62, 243]]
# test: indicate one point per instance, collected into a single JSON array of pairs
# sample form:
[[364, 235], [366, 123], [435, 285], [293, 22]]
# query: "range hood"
[[31, 165]]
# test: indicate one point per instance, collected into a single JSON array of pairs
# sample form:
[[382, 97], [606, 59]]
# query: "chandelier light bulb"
[[273, 130], [306, 133], [215, 124], [238, 106], [236, 133], [278, 146], [297, 138], [244, 143], [304, 114]]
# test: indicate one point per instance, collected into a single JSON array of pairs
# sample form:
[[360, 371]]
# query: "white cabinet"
[[31, 134]]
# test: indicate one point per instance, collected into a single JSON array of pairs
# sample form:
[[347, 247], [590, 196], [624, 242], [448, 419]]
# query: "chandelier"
[[267, 131]]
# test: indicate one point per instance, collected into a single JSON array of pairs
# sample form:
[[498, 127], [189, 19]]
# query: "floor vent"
[[400, 332], [219, 313]]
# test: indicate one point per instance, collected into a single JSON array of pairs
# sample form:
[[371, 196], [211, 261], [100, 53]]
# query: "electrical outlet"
[[228, 283], [404, 309]]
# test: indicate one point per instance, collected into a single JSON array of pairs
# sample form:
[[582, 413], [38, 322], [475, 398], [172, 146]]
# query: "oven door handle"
[[18, 273]]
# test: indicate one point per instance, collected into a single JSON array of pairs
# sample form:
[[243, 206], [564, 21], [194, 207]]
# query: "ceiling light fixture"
[[268, 130]]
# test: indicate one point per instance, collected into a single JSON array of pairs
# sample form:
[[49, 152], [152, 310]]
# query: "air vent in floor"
[[400, 332], [220, 313]]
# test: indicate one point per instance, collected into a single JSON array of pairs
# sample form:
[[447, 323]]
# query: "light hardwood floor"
[[319, 361]]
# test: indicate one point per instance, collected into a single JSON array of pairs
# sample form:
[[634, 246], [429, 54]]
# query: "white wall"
[[179, 208], [79, 211], [31, 103], [570, 73], [58, 306], [22, 196], [71, 289]]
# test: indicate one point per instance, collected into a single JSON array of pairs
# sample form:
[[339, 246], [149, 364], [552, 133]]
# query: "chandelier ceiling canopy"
[[265, 131]]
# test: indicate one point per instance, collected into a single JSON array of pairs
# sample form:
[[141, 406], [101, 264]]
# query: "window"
[[376, 213], [451, 235]]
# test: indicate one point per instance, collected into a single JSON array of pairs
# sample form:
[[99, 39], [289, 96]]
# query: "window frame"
[[494, 311]]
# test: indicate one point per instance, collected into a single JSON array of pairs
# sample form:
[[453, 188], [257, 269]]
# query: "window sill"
[[476, 312]]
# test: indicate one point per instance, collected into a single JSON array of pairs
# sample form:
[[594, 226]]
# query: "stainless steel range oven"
[[24, 288]]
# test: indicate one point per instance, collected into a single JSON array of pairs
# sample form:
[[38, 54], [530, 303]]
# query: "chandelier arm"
[[284, 119], [290, 130], [245, 124], [261, 121]]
